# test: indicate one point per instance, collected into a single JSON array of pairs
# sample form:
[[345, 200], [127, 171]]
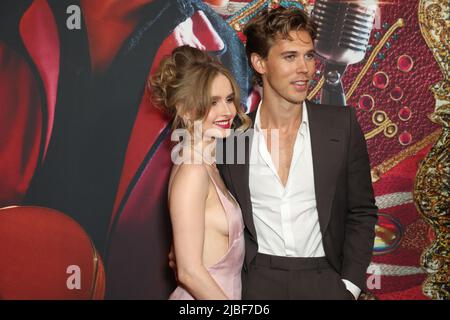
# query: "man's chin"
[[297, 100]]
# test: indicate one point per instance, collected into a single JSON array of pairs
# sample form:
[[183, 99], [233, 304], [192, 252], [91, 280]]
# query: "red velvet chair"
[[45, 254]]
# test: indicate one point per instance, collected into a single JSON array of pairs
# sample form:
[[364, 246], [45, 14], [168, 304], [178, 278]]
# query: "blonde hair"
[[182, 86]]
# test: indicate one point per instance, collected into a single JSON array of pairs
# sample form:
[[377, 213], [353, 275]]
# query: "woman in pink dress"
[[203, 98]]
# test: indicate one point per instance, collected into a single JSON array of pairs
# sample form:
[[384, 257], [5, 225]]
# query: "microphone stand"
[[332, 91]]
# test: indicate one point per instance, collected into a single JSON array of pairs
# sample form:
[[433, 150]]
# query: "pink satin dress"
[[227, 271]]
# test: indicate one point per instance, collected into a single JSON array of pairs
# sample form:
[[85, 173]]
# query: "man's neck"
[[284, 116]]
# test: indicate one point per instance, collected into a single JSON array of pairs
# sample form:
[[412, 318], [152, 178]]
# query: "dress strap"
[[219, 192]]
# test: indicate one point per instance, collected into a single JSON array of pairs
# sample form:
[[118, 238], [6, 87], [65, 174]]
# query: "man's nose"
[[301, 65]]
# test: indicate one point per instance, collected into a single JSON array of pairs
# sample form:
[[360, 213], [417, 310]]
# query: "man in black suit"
[[304, 186]]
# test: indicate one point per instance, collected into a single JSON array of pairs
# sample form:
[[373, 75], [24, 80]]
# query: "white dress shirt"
[[285, 217]]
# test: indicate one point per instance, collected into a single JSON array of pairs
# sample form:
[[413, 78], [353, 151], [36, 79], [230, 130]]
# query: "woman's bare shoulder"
[[191, 178]]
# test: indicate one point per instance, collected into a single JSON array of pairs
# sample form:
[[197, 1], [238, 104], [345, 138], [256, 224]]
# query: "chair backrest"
[[44, 255]]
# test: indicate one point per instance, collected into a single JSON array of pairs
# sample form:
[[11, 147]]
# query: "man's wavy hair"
[[262, 31]]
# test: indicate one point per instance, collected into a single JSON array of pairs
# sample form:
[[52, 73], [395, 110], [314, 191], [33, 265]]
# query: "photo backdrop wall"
[[80, 134]]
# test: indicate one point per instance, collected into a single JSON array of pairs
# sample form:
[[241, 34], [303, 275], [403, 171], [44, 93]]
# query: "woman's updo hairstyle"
[[181, 86]]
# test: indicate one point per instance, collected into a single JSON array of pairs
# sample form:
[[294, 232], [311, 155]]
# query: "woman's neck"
[[203, 152]]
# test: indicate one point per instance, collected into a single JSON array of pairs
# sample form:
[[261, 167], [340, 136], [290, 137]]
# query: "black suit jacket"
[[343, 188]]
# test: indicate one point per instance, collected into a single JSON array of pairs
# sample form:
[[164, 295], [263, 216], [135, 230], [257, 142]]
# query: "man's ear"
[[258, 63]]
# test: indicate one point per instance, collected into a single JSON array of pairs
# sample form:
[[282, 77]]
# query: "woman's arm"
[[187, 200]]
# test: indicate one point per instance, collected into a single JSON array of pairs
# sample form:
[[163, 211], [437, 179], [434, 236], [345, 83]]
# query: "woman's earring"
[[234, 123], [190, 124], [187, 123]]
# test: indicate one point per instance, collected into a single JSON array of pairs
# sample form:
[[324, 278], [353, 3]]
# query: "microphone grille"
[[357, 27], [343, 29]]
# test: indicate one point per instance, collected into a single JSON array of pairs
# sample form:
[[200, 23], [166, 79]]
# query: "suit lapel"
[[326, 144], [239, 171]]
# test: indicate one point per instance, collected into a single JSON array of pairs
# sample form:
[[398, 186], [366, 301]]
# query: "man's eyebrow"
[[289, 52], [296, 52]]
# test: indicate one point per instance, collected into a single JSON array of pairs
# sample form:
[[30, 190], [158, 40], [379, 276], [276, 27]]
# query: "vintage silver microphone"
[[343, 31]]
